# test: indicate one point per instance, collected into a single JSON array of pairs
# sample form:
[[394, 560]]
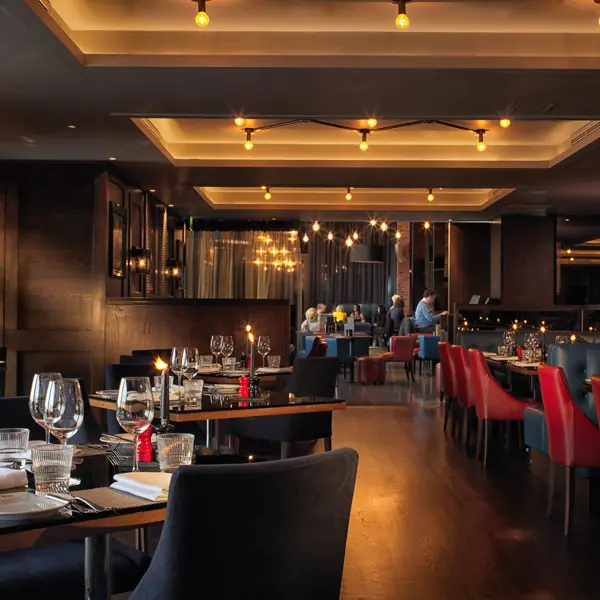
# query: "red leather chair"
[[449, 384], [464, 395], [573, 440], [492, 402], [402, 348]]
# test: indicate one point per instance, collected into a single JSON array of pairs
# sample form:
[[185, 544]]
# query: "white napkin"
[[12, 478], [274, 370], [150, 486]]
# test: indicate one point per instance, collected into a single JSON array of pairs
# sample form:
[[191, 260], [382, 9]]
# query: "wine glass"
[[190, 362], [64, 409], [37, 398], [264, 346], [227, 346], [135, 409], [562, 339], [176, 362], [215, 346]]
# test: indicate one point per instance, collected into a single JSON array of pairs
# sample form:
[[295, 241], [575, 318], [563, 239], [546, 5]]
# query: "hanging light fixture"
[[373, 223], [239, 121], [364, 145], [398, 235], [330, 236], [355, 235], [481, 144], [201, 19], [430, 196], [348, 194], [316, 226], [248, 143], [372, 123], [267, 191], [505, 122], [383, 226], [427, 225], [305, 238], [349, 242], [402, 20]]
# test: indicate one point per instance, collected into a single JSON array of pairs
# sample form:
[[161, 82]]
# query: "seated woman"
[[356, 314], [379, 320], [311, 323], [339, 315]]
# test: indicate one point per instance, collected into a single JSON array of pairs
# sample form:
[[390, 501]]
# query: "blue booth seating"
[[578, 361], [341, 346], [488, 341]]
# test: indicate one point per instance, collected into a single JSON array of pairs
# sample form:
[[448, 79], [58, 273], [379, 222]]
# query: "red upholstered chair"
[[370, 369], [573, 440], [401, 350], [449, 388], [464, 394], [492, 402]]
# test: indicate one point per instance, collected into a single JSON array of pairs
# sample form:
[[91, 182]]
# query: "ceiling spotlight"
[[202, 19], [348, 194], [505, 122], [239, 121], [372, 123], [569, 251], [355, 235], [248, 143], [268, 194], [430, 196], [330, 236], [372, 222], [384, 226], [72, 126], [481, 144], [427, 225], [316, 226], [398, 235], [349, 241], [364, 145], [112, 158], [571, 259], [305, 238], [152, 191], [402, 20]]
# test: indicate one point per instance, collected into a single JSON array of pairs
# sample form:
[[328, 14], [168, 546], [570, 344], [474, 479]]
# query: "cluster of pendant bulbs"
[[351, 239]]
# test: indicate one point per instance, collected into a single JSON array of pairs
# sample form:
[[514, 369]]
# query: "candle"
[[164, 391], [248, 330], [252, 356]]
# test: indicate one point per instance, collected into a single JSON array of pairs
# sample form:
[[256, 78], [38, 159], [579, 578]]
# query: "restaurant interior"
[[307, 293]]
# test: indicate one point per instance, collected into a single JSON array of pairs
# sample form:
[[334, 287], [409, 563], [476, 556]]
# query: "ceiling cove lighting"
[[201, 19], [430, 196], [348, 194], [402, 20], [363, 132]]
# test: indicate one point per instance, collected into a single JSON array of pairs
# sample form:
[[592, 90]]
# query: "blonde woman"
[[339, 315], [311, 324]]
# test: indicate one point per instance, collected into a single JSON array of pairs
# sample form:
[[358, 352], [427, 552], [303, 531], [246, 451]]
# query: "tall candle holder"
[[162, 366]]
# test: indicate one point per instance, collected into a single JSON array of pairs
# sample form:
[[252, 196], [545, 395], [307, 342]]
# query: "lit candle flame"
[[248, 328], [573, 338], [160, 364], [251, 338]]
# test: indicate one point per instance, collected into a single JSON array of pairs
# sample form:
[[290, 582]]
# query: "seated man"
[[425, 319]]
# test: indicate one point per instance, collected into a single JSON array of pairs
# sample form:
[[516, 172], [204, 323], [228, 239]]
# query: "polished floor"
[[427, 522]]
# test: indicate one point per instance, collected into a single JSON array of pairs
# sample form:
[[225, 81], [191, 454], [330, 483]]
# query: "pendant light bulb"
[[355, 235], [248, 143], [330, 236], [384, 226], [481, 144], [372, 123], [202, 19], [316, 226], [348, 194], [364, 145], [239, 121], [402, 20], [349, 242], [268, 194], [430, 196], [505, 122], [398, 235], [305, 238], [427, 225], [372, 222]]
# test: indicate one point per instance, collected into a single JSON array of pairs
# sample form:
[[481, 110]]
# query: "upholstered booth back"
[[343, 347], [368, 310], [488, 341], [428, 347]]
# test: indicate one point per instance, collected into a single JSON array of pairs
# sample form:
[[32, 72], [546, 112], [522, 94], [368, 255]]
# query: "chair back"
[[14, 412], [464, 383], [294, 542], [114, 373], [137, 359], [318, 348], [481, 380], [164, 353], [314, 377], [448, 383], [402, 347], [90, 431], [428, 346]]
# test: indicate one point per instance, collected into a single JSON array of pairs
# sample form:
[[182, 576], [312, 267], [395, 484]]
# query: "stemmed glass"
[[215, 346], [37, 398], [135, 409], [227, 346], [176, 362], [264, 346], [64, 409], [190, 362]]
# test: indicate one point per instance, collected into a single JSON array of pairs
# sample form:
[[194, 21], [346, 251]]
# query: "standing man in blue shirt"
[[425, 319]]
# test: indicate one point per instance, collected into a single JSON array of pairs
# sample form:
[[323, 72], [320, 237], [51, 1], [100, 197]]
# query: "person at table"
[[380, 315], [356, 314], [339, 314], [425, 319], [311, 323], [394, 317], [322, 308]]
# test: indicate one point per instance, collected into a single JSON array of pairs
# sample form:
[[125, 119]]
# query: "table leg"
[[97, 567], [208, 434], [216, 440]]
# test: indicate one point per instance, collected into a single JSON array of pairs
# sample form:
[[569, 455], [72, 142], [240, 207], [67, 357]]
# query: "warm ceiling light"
[[364, 145], [573, 338], [239, 121], [316, 226], [384, 226], [569, 251], [348, 194], [505, 122], [112, 158], [202, 19], [293, 233], [571, 259], [398, 235], [402, 20], [152, 191], [372, 222], [349, 241], [248, 143], [72, 126], [427, 225], [355, 235], [330, 236], [170, 205], [481, 144], [430, 196], [372, 123], [268, 194], [305, 238]]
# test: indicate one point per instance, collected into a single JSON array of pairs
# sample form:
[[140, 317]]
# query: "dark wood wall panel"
[[163, 323], [469, 269], [528, 261]]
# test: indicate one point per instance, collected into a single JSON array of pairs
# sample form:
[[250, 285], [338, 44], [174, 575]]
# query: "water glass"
[[274, 361], [37, 398], [157, 380], [13, 447], [206, 360], [52, 468], [174, 450], [64, 410], [229, 363], [192, 391]]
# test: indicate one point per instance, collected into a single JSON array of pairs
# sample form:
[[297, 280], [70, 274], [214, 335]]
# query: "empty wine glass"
[[135, 409], [215, 346], [37, 398], [264, 346], [64, 409], [562, 339], [227, 346], [176, 362], [534, 340], [190, 362]]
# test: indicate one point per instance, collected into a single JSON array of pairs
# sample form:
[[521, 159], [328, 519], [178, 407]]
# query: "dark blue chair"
[[287, 519], [14, 412], [428, 350]]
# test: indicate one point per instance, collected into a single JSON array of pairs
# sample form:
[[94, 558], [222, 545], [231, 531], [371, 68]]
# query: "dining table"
[[512, 365]]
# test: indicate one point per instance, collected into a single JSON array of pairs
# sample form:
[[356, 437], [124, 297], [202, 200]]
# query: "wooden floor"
[[427, 522]]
